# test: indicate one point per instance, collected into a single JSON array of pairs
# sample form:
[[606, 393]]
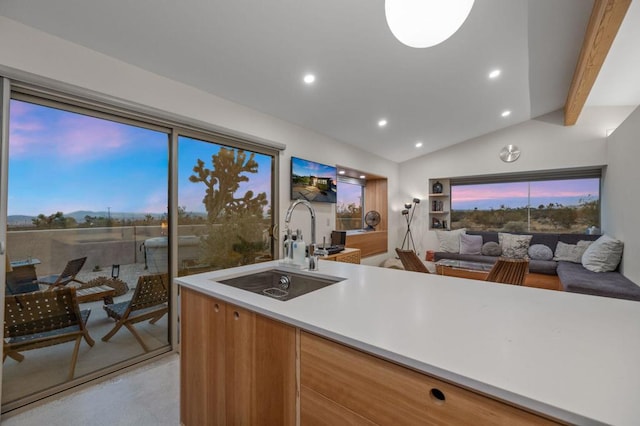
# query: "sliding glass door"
[[87, 199], [225, 199]]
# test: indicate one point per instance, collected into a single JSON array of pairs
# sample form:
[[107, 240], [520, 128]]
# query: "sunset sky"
[[487, 196], [62, 161]]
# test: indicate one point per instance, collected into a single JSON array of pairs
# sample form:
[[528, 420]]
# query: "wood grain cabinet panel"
[[386, 393], [237, 367], [317, 410]]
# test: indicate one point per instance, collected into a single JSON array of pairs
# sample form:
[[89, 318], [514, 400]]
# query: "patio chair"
[[21, 280], [411, 261], [68, 274], [44, 318], [149, 301], [509, 271]]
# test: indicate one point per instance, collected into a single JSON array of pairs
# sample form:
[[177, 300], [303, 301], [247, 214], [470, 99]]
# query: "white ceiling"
[[256, 53]]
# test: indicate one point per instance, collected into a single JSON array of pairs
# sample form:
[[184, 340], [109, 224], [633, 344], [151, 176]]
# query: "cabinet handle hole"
[[216, 307], [437, 395], [236, 315]]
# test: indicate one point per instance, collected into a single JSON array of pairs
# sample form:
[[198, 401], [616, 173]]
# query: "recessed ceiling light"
[[341, 172], [418, 144], [362, 176], [382, 123], [506, 113], [309, 78], [494, 74]]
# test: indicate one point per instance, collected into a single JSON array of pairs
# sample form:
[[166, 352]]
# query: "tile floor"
[[146, 396]]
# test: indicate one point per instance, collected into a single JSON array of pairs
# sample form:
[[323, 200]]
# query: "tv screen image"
[[313, 181]]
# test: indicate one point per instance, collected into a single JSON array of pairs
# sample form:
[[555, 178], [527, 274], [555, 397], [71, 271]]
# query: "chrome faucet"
[[313, 249]]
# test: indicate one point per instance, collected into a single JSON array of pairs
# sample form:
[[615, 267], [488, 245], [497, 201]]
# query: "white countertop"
[[574, 357]]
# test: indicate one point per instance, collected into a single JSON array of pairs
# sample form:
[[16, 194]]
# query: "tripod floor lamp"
[[408, 212]]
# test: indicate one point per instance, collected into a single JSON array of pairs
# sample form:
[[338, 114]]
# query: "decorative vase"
[[437, 188]]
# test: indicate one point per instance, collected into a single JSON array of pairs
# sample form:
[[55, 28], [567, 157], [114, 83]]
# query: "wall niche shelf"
[[439, 204]]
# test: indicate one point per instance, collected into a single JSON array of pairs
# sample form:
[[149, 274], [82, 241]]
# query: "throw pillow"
[[470, 244], [515, 246], [571, 252], [540, 252], [491, 248], [450, 240], [603, 255]]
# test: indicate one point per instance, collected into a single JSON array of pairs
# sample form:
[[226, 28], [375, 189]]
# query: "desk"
[[348, 255]]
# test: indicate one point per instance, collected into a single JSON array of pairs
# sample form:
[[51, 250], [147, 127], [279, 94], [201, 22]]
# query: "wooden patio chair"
[[44, 318], [509, 271], [411, 261], [149, 301], [69, 273]]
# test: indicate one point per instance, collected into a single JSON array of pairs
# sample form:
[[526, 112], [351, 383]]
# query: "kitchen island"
[[568, 357]]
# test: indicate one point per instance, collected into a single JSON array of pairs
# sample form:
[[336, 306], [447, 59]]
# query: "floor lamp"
[[408, 212]]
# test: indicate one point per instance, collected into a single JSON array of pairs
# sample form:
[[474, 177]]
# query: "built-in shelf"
[[439, 218]]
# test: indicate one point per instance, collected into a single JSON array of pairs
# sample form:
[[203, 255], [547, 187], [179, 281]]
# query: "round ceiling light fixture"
[[425, 23], [509, 153]]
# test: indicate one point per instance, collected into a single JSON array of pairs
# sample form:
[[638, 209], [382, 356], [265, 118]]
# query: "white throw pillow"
[[450, 240], [571, 252], [603, 255]]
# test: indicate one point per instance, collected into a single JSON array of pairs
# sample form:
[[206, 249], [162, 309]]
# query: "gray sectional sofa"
[[573, 276]]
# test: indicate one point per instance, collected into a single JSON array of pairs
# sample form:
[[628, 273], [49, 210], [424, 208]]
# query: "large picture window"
[[570, 205]]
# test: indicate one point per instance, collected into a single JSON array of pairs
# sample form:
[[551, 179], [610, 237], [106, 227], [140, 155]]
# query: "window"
[[89, 190], [92, 185], [225, 197], [350, 199], [569, 205]]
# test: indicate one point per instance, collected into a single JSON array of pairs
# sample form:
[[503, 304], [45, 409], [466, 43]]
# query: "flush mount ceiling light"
[[425, 23], [495, 74], [309, 78], [382, 123], [506, 113], [418, 144]]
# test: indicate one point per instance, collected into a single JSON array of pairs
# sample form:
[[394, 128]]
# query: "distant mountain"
[[25, 220]]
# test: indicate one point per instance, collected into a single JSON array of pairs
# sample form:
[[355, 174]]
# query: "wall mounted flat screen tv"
[[313, 181]]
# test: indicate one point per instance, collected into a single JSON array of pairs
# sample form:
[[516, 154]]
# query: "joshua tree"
[[232, 217]]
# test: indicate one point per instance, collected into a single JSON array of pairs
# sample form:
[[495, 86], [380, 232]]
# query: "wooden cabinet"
[[338, 382], [237, 367], [348, 255]]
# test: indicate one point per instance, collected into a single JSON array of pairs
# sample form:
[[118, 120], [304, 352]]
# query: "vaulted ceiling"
[[256, 53]]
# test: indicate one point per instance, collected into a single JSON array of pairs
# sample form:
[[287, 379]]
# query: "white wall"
[[31, 51], [621, 192], [545, 143]]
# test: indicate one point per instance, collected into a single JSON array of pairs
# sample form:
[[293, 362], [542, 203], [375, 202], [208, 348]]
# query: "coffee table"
[[463, 269]]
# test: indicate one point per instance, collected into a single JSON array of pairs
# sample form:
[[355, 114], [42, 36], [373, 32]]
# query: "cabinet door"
[[386, 393], [261, 369], [202, 356]]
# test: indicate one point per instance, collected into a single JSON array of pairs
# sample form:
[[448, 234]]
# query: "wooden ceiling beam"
[[604, 23]]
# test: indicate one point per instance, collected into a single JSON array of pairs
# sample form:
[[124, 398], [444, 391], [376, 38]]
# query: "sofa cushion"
[[603, 255], [514, 246], [450, 240], [491, 248], [470, 244], [571, 252], [576, 279], [540, 252]]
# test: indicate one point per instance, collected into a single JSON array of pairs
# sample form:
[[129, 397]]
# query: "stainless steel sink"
[[280, 284]]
